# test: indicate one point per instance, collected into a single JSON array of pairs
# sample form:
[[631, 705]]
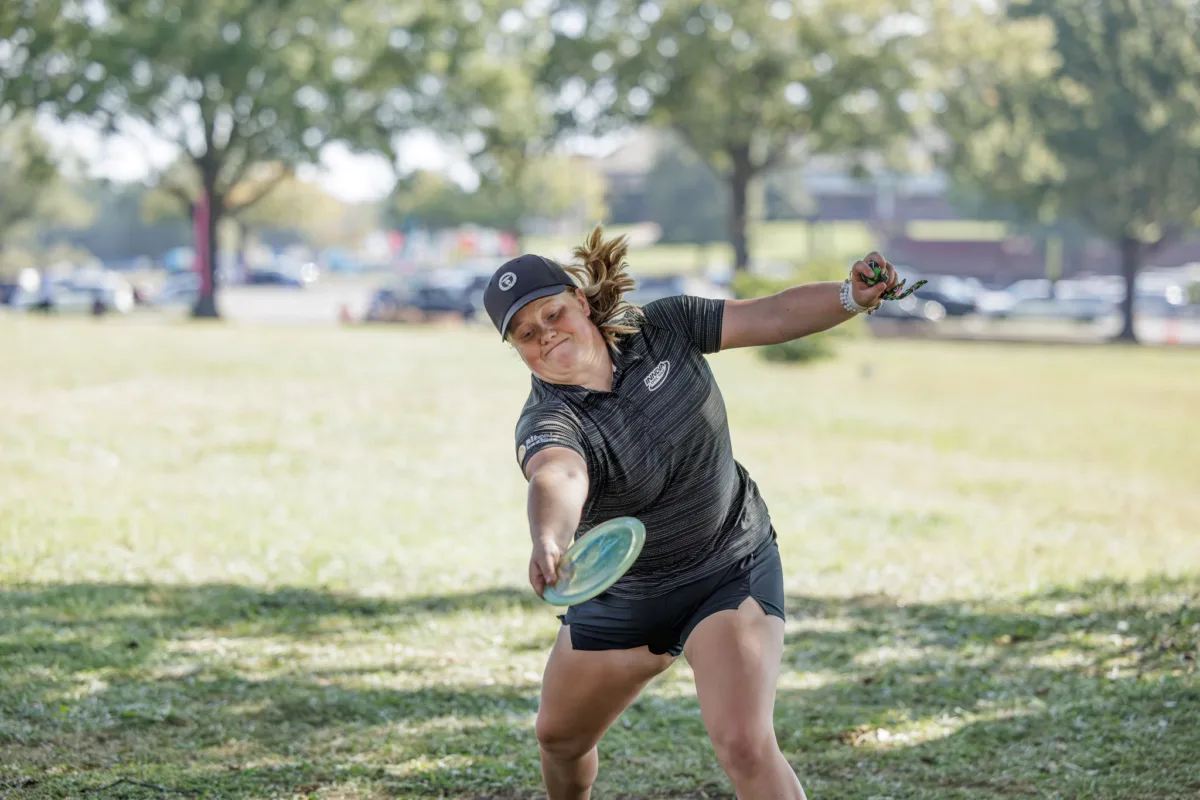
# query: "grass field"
[[288, 562]]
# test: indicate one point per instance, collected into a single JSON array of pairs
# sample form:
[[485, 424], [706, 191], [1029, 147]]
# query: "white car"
[[85, 292]]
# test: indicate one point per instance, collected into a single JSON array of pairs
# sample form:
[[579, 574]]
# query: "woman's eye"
[[553, 315]]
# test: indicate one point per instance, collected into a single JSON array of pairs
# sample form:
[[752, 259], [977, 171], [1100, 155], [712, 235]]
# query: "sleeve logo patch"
[[532, 441]]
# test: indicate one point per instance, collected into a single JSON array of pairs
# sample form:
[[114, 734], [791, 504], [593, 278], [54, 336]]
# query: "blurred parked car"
[[274, 277], [423, 301], [84, 292], [1076, 309], [945, 295]]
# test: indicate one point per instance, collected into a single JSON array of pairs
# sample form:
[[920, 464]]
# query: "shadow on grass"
[[117, 625], [1075, 692], [208, 605]]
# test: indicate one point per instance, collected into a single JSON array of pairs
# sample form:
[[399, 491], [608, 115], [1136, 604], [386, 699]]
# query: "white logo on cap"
[[507, 281]]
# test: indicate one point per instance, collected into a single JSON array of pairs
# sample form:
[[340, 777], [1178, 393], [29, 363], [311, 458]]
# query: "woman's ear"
[[583, 301]]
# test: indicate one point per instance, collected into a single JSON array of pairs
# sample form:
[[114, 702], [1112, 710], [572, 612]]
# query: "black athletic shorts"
[[664, 623]]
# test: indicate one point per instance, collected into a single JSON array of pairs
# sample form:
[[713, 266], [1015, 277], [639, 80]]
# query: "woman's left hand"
[[870, 296]]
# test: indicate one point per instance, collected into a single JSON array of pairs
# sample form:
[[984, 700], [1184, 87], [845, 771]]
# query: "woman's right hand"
[[558, 487], [543, 565]]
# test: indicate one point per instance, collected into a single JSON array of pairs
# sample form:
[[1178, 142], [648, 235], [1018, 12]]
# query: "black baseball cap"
[[518, 283]]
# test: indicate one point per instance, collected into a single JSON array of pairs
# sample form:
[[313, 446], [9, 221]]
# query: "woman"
[[624, 418]]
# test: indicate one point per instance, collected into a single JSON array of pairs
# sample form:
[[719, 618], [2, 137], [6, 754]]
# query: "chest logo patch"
[[658, 375]]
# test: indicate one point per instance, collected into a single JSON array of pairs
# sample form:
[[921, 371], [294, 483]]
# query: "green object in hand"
[[893, 293], [596, 560]]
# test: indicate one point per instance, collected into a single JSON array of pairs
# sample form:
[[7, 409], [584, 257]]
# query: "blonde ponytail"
[[602, 276]]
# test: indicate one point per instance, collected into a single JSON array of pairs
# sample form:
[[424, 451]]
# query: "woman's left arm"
[[800, 310]]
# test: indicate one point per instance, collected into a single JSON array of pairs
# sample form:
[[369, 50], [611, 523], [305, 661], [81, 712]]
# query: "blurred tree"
[[118, 232], [1088, 110], [33, 194], [685, 198], [296, 205], [549, 188], [429, 199], [499, 110], [290, 205], [742, 83], [27, 175], [234, 84]]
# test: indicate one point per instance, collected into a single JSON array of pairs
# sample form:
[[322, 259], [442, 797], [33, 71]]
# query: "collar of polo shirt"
[[629, 354]]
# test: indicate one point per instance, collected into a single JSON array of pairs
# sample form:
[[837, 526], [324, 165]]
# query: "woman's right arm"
[[558, 488]]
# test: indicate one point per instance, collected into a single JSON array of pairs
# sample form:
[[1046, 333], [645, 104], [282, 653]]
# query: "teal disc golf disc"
[[596, 561]]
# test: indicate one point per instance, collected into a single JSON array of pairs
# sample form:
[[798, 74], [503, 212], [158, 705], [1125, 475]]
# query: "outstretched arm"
[[558, 488], [800, 310]]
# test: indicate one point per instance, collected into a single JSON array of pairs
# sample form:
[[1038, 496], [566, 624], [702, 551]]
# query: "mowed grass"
[[289, 562]]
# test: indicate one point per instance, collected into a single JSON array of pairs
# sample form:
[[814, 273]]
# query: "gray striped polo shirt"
[[657, 448]]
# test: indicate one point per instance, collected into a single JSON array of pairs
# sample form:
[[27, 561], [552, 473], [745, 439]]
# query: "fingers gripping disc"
[[596, 561]]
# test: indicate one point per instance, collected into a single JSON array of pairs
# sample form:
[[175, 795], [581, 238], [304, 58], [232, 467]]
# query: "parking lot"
[[337, 299]]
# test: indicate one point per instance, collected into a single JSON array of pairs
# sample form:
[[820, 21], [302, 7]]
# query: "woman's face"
[[556, 338]]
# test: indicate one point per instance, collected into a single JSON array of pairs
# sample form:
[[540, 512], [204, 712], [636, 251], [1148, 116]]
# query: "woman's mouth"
[[554, 346]]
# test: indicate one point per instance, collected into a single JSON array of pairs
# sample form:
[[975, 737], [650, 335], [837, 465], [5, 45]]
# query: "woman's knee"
[[561, 739], [744, 750]]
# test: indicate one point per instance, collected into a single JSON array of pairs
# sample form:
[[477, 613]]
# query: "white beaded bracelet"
[[849, 303]]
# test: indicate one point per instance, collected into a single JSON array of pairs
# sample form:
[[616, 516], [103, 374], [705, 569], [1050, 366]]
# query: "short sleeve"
[[547, 425], [698, 319]]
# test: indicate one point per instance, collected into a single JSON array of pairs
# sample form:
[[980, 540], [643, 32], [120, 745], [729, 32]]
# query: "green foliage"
[[816, 346], [32, 193], [1082, 109], [269, 196], [825, 269], [236, 84], [549, 187], [428, 198], [687, 200], [749, 284], [119, 231], [742, 83]]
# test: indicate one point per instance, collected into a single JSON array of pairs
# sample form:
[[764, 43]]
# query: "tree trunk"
[[1131, 262], [207, 216], [243, 260], [739, 184]]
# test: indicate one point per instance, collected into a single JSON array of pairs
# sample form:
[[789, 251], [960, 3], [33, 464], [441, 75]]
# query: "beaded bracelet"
[[850, 304]]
